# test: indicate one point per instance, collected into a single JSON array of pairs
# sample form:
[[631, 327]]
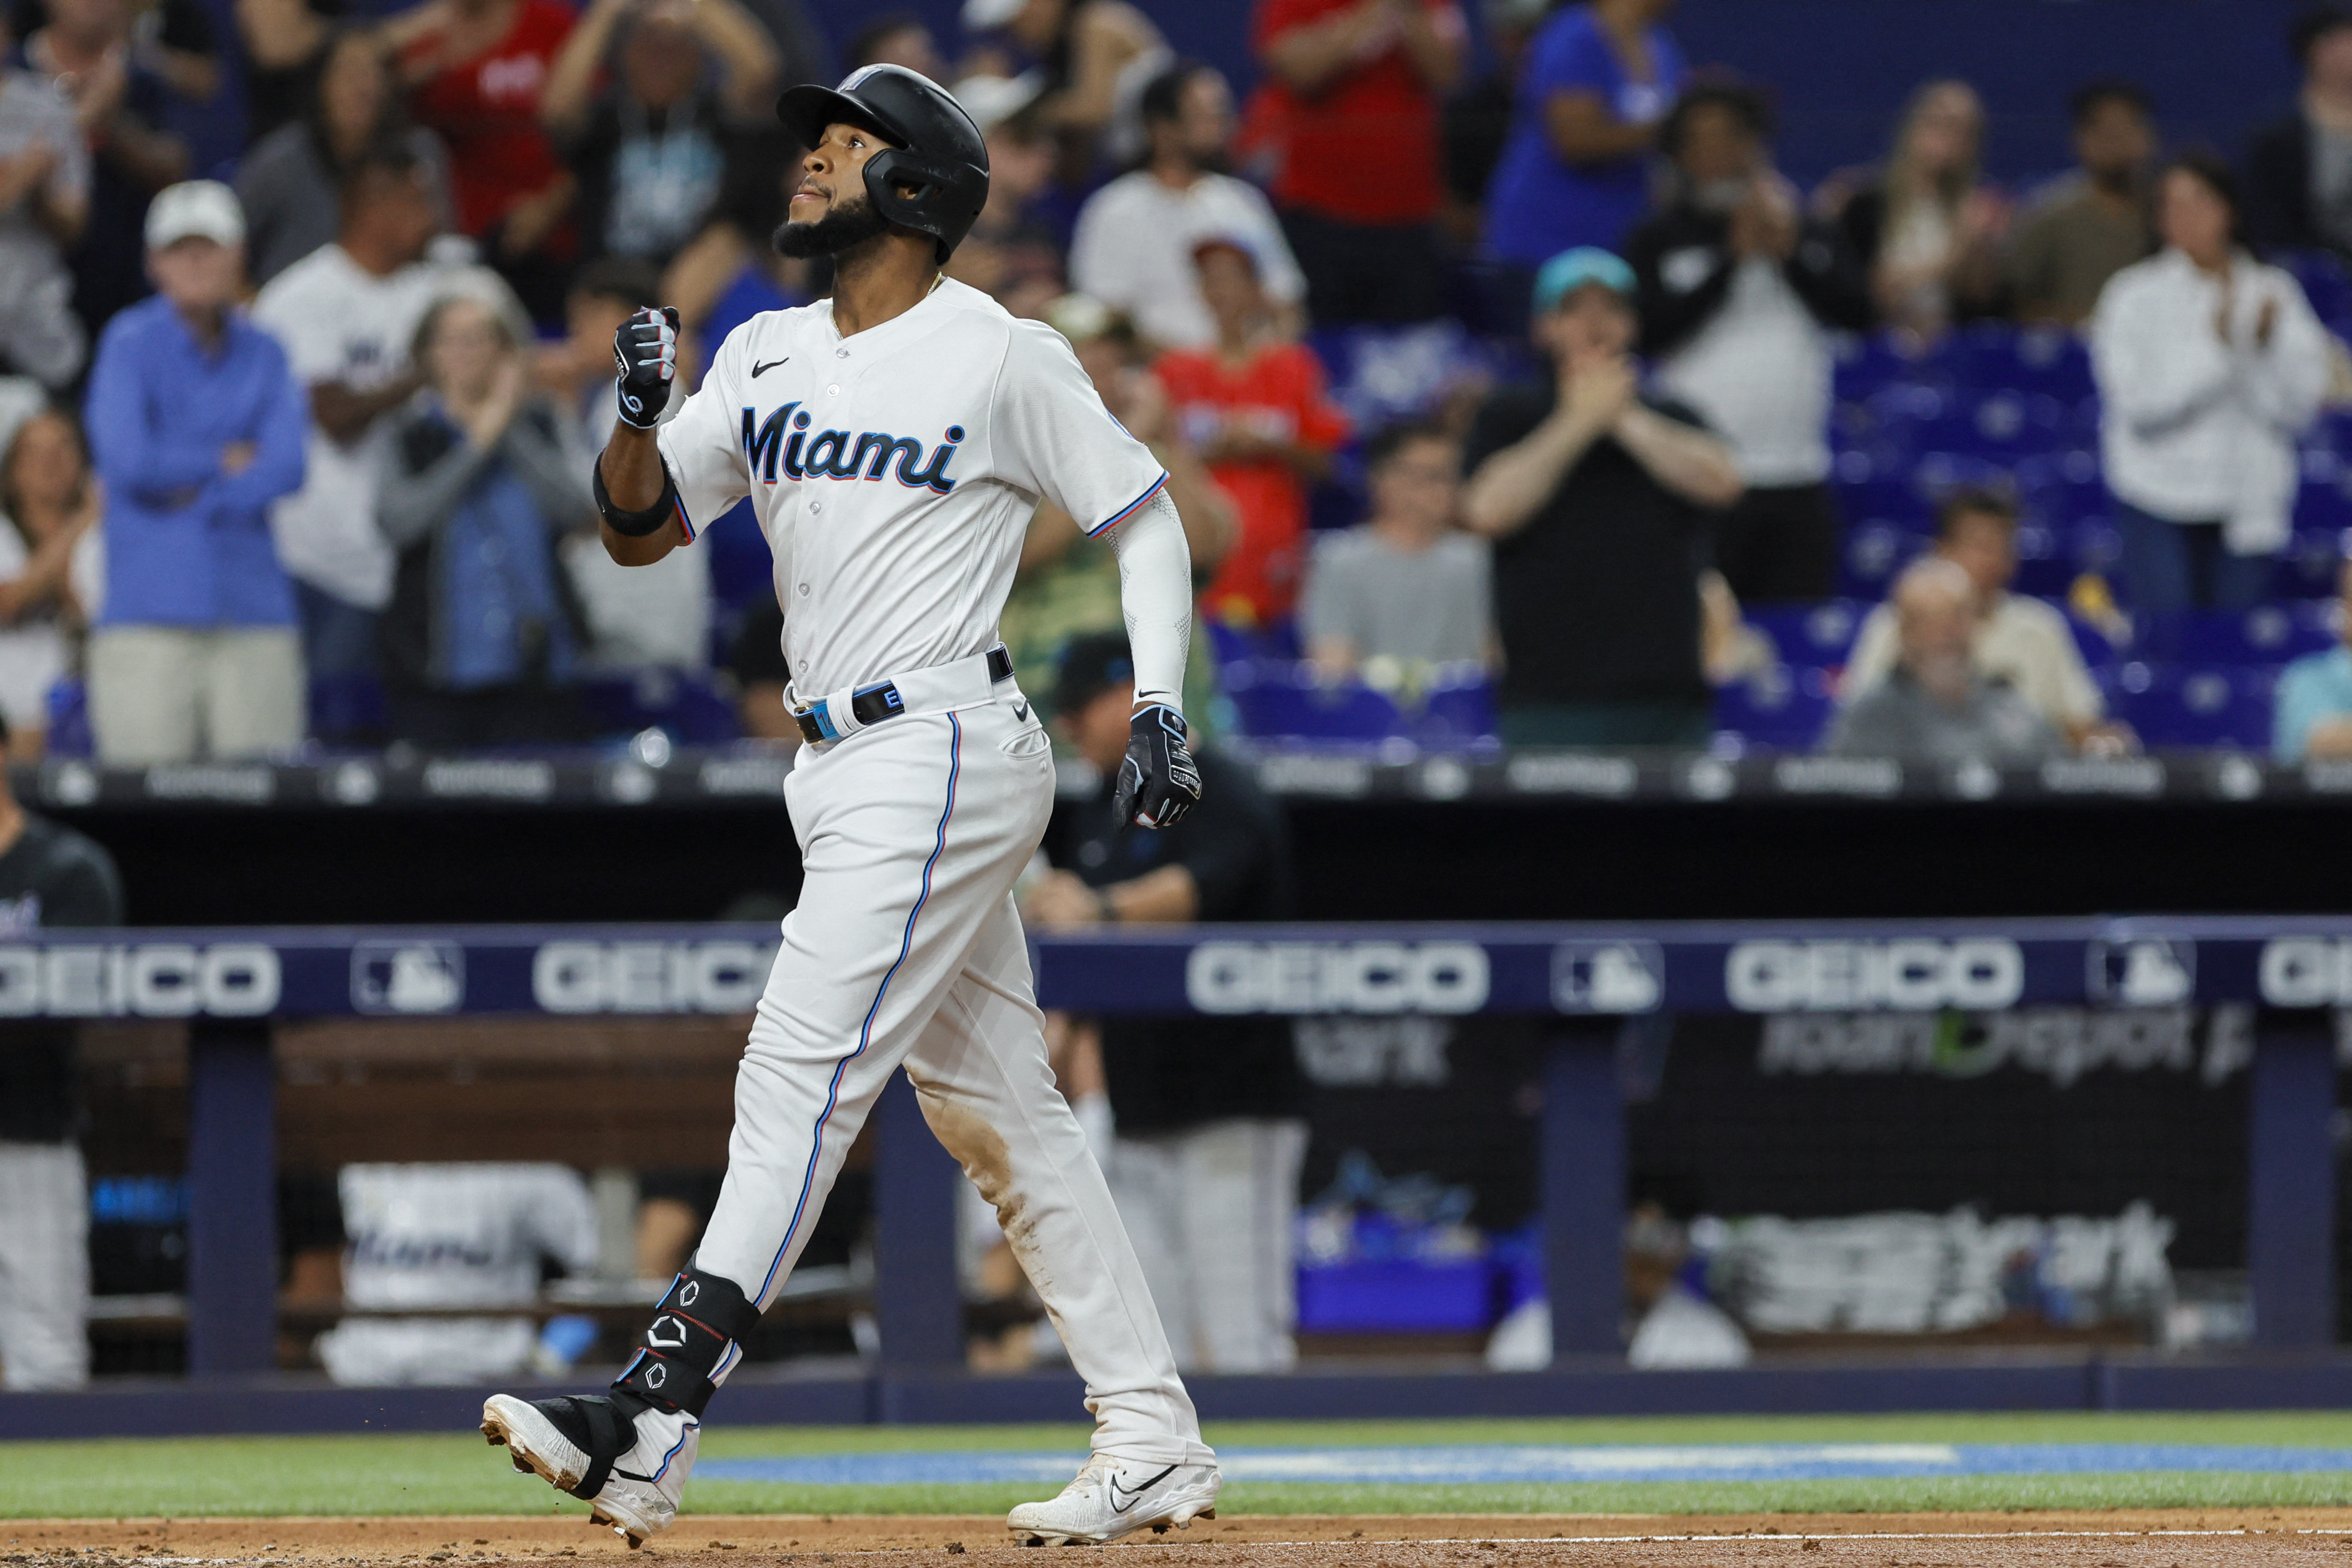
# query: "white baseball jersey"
[[894, 471]]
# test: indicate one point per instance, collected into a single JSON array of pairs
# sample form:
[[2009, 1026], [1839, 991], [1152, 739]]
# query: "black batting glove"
[[1158, 782], [645, 351]]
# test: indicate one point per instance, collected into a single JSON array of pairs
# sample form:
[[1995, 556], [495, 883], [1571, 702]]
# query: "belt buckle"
[[817, 724]]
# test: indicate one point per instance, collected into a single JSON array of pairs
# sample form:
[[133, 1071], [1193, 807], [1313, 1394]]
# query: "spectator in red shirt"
[[1253, 407], [479, 69], [1352, 102]]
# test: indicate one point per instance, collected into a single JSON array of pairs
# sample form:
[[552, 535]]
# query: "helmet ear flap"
[[944, 206]]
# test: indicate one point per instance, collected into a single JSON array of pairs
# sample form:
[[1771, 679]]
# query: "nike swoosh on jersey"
[[1136, 1495], [759, 370], [1021, 710]]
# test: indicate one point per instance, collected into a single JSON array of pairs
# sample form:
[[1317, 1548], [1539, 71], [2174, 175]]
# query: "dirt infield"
[[2189, 1538]]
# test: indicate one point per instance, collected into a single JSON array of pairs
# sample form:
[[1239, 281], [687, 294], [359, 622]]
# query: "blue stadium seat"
[[1785, 708], [2097, 650], [1812, 634], [1874, 553], [2186, 705], [2325, 283], [346, 708], [2037, 361], [2269, 635], [1230, 644], [2312, 564], [1380, 374], [1889, 502], [1866, 364], [688, 705], [1458, 709], [2063, 486], [1277, 699], [68, 711], [2046, 563]]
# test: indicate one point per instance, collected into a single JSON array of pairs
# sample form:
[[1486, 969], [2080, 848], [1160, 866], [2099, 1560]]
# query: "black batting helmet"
[[939, 151]]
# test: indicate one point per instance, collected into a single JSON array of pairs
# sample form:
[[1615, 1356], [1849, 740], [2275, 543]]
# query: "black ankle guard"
[[701, 1317], [610, 1433]]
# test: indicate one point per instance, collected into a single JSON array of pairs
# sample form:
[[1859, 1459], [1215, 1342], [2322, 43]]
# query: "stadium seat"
[[1458, 709], [1276, 699], [1874, 553], [347, 707], [2325, 283], [68, 711], [1784, 709], [2269, 635], [1380, 374], [1819, 634], [2174, 706], [1230, 644], [2037, 361], [686, 705]]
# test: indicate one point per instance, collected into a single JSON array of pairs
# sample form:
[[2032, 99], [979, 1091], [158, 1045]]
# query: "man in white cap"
[[197, 424]]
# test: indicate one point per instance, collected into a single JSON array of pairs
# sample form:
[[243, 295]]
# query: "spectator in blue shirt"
[[197, 424], [2313, 719], [1599, 79]]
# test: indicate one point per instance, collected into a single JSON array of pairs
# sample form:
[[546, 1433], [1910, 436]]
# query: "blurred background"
[[1722, 460]]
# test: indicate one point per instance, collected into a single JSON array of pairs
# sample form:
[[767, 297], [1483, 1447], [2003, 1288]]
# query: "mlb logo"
[[408, 977], [2144, 972], [1608, 977]]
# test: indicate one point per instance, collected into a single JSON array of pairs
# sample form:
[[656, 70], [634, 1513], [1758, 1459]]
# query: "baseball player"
[[895, 440]]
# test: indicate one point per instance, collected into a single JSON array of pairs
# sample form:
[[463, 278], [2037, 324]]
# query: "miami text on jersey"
[[838, 454]]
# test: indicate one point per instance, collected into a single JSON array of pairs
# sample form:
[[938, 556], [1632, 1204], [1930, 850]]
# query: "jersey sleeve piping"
[[1130, 509]]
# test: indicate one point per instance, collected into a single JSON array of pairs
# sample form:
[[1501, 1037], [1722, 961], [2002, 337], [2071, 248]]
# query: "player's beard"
[[842, 228]]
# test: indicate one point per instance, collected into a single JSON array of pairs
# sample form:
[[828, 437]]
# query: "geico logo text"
[[1915, 973], [148, 980], [1337, 977], [650, 977]]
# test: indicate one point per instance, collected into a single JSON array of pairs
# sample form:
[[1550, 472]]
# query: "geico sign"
[[1337, 977], [2307, 972], [1978, 972], [149, 980], [650, 977]]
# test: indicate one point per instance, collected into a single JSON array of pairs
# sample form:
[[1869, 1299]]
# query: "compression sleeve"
[[1155, 589]]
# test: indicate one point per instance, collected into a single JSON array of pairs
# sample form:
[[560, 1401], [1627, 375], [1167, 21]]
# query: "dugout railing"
[[230, 986]]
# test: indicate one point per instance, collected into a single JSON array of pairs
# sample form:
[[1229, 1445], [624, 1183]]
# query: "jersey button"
[[832, 391], [804, 590], [817, 506], [841, 353]]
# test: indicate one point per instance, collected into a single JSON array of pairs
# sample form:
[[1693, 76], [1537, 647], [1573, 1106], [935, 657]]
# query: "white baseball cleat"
[[645, 1455], [1115, 1498]]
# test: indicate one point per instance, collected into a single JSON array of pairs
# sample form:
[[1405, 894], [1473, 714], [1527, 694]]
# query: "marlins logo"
[[839, 455]]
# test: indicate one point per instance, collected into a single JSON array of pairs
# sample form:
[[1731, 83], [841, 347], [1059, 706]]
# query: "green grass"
[[457, 1473]]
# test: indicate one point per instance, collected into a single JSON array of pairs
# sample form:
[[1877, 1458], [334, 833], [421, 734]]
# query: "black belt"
[[872, 704]]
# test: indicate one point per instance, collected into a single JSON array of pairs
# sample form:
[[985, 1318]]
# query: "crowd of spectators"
[[301, 453]]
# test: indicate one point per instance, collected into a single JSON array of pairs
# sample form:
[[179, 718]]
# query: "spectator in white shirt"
[[2209, 365], [1739, 291], [1406, 588], [49, 506], [2019, 642], [345, 315], [1135, 239]]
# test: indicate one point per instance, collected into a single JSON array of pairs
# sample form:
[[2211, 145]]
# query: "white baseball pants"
[[44, 1267], [905, 951]]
